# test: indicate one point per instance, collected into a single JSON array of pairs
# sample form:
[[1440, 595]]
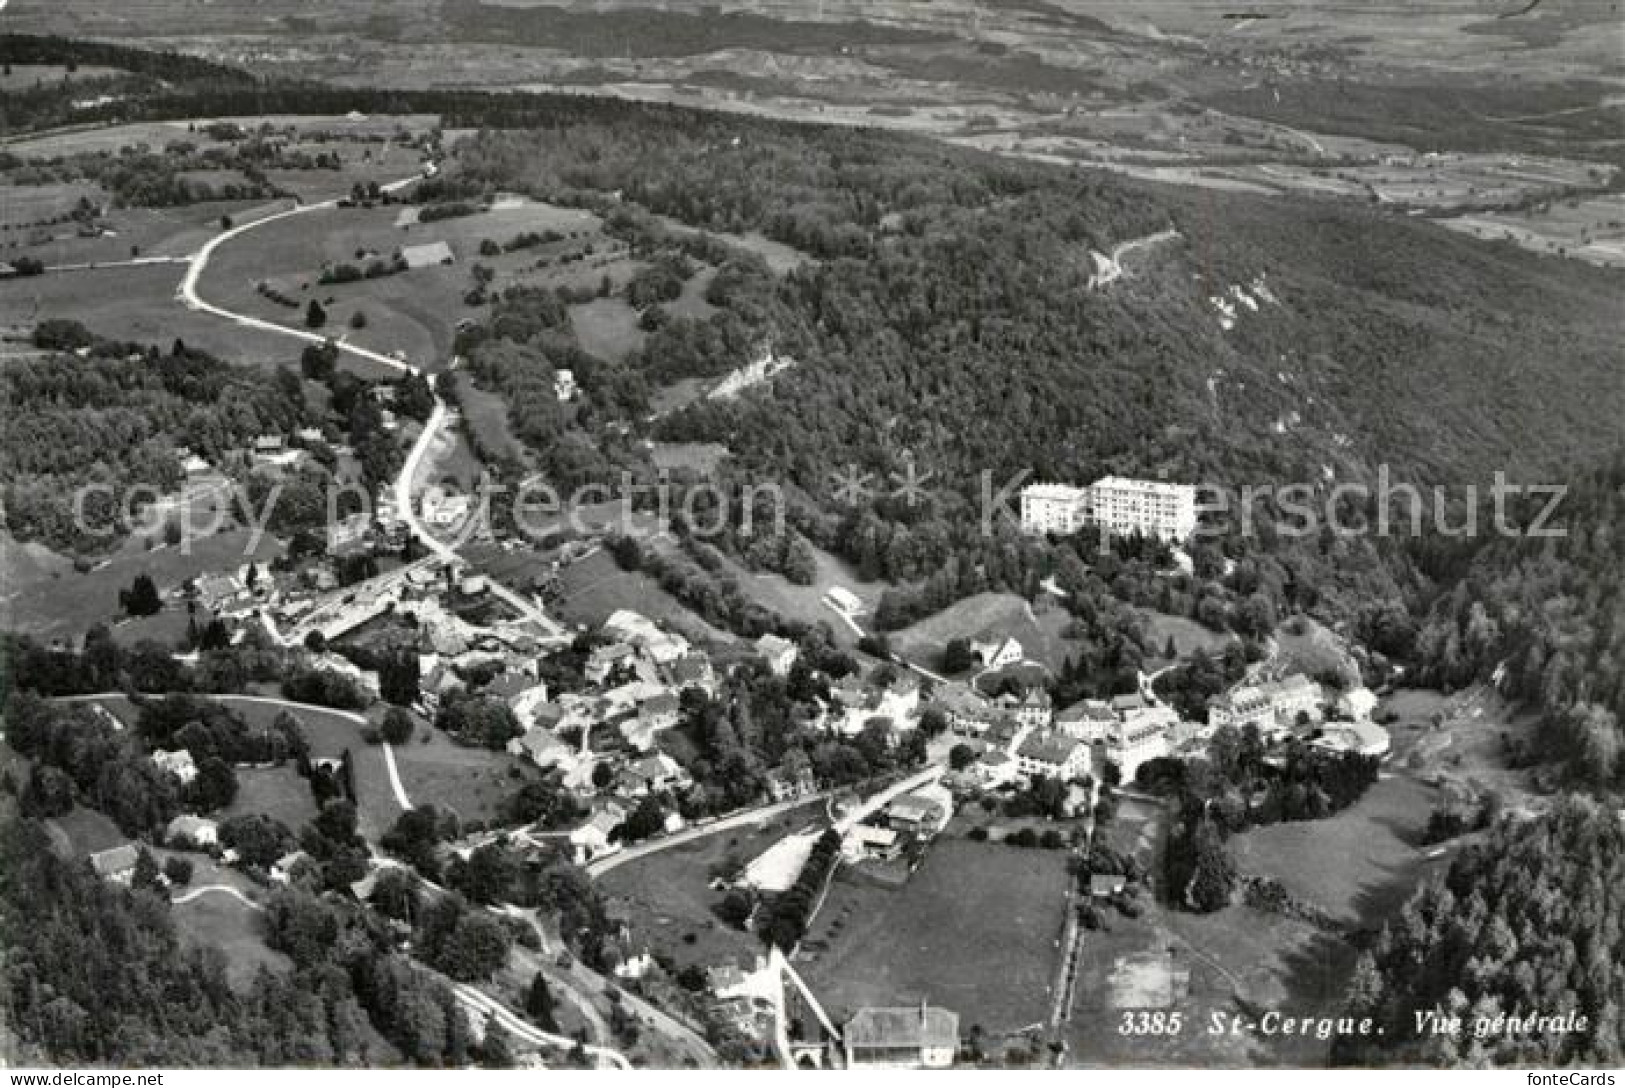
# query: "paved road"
[[188, 294], [199, 262], [447, 551], [395, 784], [220, 889], [749, 816], [486, 1006]]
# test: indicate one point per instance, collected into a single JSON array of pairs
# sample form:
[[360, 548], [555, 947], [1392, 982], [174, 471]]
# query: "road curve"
[[447, 552], [221, 889], [187, 292], [188, 295], [486, 1006]]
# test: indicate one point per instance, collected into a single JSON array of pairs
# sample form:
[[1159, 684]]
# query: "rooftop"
[[923, 1026]]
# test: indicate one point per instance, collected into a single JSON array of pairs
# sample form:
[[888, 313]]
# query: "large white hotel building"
[[1123, 506]]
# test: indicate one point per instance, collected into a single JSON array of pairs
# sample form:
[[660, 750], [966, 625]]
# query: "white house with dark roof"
[[1053, 755], [997, 651], [906, 1037]]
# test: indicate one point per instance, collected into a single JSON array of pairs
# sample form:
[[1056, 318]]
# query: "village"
[[598, 713]]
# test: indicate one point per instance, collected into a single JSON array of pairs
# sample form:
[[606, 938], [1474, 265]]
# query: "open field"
[[23, 77], [594, 587], [1188, 636], [414, 312], [1456, 741], [45, 599], [1238, 961], [130, 232], [1358, 865], [330, 735], [485, 414], [135, 303], [277, 792], [806, 603], [472, 782], [988, 615], [1303, 645], [216, 920], [974, 929], [1591, 229], [607, 328], [84, 831], [668, 901]]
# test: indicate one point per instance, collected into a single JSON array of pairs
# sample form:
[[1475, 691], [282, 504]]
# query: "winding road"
[[487, 1006], [188, 294], [199, 262]]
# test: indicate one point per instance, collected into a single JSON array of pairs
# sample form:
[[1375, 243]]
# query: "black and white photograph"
[[615, 537]]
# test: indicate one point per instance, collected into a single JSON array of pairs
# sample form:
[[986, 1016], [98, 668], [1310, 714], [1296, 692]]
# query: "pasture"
[[988, 615], [277, 792], [136, 303], [806, 603], [49, 599], [974, 929], [668, 901], [413, 312], [607, 328], [471, 782], [1591, 229], [217, 920], [594, 587], [1358, 865]]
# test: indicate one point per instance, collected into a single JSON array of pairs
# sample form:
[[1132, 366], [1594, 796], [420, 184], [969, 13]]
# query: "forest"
[[114, 418], [1544, 619], [135, 993], [1528, 923]]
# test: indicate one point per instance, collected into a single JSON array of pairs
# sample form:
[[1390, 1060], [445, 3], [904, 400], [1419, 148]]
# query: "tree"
[[319, 362], [146, 874], [142, 598], [49, 792], [1213, 880], [395, 895], [496, 1052], [398, 679], [736, 907], [477, 945], [398, 726], [215, 786], [315, 315], [961, 756], [539, 1003], [957, 656], [178, 870]]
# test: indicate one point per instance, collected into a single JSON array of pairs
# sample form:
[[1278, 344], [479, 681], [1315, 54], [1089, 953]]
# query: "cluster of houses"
[[1024, 736], [1296, 705]]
